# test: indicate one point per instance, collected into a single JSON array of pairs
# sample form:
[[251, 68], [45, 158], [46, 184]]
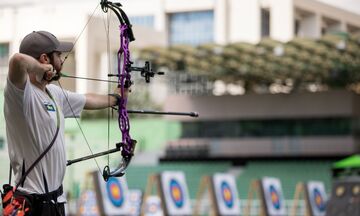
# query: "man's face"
[[56, 61]]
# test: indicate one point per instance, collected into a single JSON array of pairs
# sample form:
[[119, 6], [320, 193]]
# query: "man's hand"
[[117, 95], [21, 65], [49, 73], [126, 92]]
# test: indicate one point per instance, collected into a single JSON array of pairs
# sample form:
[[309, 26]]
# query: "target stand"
[[255, 193], [153, 182], [88, 202], [269, 192], [220, 189], [112, 196], [205, 192], [172, 189], [314, 195]]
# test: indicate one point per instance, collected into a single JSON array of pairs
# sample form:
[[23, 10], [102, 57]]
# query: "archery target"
[[115, 195], [88, 205], [153, 206], [175, 193], [316, 197], [345, 197], [135, 199], [226, 194], [273, 195]]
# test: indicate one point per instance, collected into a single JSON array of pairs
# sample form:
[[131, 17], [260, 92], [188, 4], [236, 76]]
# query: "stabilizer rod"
[[116, 149], [191, 114]]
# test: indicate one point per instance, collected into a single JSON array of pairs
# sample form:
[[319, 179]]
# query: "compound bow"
[[127, 145]]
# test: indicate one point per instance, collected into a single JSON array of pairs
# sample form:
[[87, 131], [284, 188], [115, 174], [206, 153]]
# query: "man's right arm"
[[21, 65]]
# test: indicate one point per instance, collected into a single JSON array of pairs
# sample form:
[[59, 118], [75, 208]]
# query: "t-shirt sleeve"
[[18, 97], [72, 103]]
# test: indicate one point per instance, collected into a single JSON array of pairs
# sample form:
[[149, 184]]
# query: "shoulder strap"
[[47, 148], [10, 174]]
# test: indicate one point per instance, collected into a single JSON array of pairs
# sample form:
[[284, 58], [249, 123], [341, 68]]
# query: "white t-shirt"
[[31, 124]]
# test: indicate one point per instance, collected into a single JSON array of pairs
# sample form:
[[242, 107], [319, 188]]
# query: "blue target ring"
[[275, 198], [115, 192], [176, 193], [319, 200], [227, 195]]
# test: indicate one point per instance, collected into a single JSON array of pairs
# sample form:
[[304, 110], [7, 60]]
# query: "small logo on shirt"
[[49, 107]]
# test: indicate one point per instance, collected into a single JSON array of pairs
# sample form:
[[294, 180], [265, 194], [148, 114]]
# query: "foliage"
[[333, 61]]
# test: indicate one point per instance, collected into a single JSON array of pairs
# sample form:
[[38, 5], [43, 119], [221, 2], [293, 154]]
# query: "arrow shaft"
[[86, 78]]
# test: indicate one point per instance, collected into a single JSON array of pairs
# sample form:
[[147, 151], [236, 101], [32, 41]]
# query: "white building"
[[163, 22]]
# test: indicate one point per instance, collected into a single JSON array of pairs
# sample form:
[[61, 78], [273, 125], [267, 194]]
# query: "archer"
[[34, 111]]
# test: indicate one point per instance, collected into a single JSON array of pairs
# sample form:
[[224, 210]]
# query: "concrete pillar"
[[221, 22], [282, 20], [244, 19], [310, 26]]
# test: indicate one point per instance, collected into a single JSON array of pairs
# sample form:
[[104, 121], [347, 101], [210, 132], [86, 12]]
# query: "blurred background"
[[276, 83]]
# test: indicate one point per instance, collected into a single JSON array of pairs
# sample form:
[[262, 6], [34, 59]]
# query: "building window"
[[191, 28], [265, 23], [147, 21], [296, 27], [269, 128], [4, 54]]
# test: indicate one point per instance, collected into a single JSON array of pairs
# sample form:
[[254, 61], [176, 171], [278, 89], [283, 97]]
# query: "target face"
[[319, 200], [226, 194], [317, 197], [275, 199], [176, 196], [115, 195], [115, 192], [273, 196], [153, 206], [88, 205], [176, 193]]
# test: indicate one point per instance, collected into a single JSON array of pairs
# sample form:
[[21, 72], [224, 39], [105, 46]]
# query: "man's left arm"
[[96, 101]]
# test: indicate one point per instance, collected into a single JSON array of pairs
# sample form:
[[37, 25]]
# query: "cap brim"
[[64, 47]]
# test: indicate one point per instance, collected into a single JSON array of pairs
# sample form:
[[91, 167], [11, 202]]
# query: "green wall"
[[289, 173]]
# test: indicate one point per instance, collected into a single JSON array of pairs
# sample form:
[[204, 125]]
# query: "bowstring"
[[66, 97], [82, 31], [108, 21], [108, 50], [82, 132]]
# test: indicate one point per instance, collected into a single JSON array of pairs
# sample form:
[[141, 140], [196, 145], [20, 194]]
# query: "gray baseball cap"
[[40, 42]]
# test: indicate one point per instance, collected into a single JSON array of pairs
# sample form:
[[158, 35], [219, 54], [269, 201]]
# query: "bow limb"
[[124, 81]]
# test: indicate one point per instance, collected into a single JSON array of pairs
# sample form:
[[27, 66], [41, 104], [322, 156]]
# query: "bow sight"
[[145, 71]]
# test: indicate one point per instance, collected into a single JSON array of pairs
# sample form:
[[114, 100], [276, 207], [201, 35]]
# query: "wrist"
[[117, 98]]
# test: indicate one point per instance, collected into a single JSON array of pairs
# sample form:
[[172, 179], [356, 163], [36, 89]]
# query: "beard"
[[56, 77]]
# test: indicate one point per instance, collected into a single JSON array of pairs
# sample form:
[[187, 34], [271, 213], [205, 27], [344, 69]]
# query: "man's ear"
[[44, 59]]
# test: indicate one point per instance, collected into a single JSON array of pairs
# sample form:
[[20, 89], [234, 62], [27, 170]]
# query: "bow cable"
[[67, 99]]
